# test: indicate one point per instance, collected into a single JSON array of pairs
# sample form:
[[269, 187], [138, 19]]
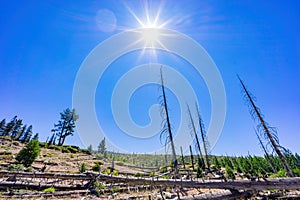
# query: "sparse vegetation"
[[96, 167], [15, 167], [49, 190], [82, 168], [29, 153], [58, 159]]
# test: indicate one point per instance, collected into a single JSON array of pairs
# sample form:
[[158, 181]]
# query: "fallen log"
[[8, 195], [4, 185], [268, 184], [46, 175]]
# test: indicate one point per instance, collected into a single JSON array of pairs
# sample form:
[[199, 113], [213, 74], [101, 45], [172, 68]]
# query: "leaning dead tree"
[[268, 158], [265, 130], [192, 157], [167, 124], [195, 134], [203, 136]]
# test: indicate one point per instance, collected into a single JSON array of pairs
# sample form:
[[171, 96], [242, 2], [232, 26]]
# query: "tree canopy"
[[65, 125]]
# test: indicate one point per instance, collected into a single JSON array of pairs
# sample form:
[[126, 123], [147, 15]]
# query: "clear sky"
[[43, 44]]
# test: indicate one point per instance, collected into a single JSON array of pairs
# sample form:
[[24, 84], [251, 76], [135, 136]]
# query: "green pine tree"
[[29, 153]]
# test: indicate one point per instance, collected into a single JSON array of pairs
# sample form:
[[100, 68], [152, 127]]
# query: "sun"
[[150, 36], [151, 29]]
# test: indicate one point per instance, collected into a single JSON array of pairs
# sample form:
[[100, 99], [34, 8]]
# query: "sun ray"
[[147, 14], [151, 28], [135, 16]]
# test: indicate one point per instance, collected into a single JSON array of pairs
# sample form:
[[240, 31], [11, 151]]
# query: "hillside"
[[55, 174]]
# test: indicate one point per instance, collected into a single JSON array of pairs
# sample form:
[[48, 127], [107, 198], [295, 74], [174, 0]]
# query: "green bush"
[[85, 151], [296, 172], [115, 173], [65, 150], [199, 172], [43, 144], [107, 171], [229, 173], [99, 187], [49, 190], [138, 174], [57, 148], [280, 173], [96, 167], [151, 174], [82, 168], [72, 149], [29, 153], [15, 167]]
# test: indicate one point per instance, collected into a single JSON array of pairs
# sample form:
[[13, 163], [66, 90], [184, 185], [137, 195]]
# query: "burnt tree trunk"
[[266, 130], [175, 162], [196, 136], [203, 138]]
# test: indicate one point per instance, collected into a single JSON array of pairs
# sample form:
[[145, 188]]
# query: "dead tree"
[[266, 152], [182, 157], [195, 134], [167, 125], [192, 157], [268, 132], [203, 136]]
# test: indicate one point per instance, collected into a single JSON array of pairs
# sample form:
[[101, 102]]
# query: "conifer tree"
[[2, 126], [65, 125], [9, 127]]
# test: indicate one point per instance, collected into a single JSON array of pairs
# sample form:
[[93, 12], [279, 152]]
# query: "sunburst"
[[150, 28]]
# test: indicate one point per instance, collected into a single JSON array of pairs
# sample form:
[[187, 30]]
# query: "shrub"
[[29, 153], [85, 151], [115, 189], [138, 174], [280, 173], [57, 148], [229, 173], [151, 174], [108, 171], [296, 172], [82, 168], [199, 172], [99, 187], [65, 150], [72, 149], [49, 190], [115, 173], [15, 167], [96, 167], [44, 144]]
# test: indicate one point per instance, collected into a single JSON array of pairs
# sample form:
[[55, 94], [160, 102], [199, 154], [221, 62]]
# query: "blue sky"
[[44, 43]]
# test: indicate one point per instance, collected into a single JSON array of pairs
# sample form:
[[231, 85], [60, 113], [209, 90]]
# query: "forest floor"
[[54, 161]]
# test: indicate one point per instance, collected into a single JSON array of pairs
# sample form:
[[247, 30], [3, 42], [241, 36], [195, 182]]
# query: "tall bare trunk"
[[175, 162], [205, 145], [195, 133], [192, 157], [267, 132], [182, 157]]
